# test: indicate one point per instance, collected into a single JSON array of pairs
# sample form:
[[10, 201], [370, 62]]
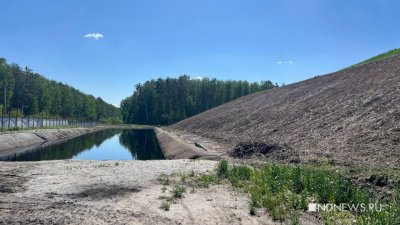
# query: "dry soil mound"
[[350, 116]]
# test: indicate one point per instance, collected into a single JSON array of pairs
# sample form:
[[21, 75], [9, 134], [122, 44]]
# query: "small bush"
[[163, 179], [222, 169], [183, 178], [178, 191], [165, 206], [204, 181]]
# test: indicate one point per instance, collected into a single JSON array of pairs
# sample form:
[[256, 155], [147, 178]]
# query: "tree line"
[[28, 93], [166, 101]]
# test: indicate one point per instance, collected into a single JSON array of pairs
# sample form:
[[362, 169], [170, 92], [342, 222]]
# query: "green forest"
[[27, 93], [166, 101], [161, 101]]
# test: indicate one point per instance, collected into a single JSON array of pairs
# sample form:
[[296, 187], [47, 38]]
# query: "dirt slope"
[[347, 117]]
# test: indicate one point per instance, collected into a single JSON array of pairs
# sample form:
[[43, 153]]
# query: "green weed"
[[284, 189], [204, 181], [222, 169], [165, 205], [163, 179], [178, 191]]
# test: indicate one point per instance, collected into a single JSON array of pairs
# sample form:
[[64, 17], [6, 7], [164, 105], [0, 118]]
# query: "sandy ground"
[[114, 192]]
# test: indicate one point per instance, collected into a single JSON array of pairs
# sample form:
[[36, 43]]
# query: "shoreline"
[[16, 143]]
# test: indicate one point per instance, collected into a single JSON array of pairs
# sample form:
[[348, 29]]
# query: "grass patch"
[[381, 56], [285, 189], [239, 175], [165, 205], [205, 180], [178, 191], [163, 179], [183, 177]]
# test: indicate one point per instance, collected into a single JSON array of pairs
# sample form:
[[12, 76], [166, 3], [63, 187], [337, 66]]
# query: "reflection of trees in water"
[[142, 144], [70, 148]]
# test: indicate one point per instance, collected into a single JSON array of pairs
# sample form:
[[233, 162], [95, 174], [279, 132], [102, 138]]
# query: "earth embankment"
[[348, 117]]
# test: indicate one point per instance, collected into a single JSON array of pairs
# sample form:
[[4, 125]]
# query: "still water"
[[103, 145]]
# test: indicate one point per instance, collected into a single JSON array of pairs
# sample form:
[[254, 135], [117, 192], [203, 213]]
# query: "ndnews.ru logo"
[[362, 207]]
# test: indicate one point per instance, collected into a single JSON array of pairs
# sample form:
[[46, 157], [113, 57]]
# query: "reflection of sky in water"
[[110, 149], [111, 145]]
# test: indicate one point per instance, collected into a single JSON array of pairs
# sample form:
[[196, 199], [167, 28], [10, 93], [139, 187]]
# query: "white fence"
[[26, 122]]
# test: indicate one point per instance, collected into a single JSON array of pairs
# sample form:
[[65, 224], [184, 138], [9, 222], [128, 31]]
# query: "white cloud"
[[96, 36], [196, 78], [284, 62]]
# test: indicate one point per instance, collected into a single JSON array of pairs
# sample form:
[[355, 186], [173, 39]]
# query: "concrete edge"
[[174, 147]]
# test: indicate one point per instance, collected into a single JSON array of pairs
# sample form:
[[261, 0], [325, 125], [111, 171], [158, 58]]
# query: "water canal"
[[136, 144]]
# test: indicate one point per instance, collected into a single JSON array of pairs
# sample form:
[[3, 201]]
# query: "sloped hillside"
[[348, 117]]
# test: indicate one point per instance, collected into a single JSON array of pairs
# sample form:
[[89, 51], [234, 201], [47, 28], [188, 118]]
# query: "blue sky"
[[283, 41]]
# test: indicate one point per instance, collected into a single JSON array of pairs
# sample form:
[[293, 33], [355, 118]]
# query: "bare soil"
[[115, 192], [350, 117], [249, 150]]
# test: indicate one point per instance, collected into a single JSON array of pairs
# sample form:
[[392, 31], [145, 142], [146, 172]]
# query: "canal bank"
[[19, 142], [174, 147], [180, 145]]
